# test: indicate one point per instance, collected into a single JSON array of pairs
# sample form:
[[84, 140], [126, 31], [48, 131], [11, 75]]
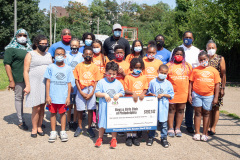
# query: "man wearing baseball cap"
[[114, 40]]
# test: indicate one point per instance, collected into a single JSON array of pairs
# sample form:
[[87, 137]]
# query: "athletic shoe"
[[164, 143], [149, 141], [90, 133], [98, 142], [52, 137], [135, 141], [63, 136], [113, 143], [139, 134], [94, 125], [129, 141], [204, 138], [78, 132]]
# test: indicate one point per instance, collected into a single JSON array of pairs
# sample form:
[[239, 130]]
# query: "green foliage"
[[3, 76]]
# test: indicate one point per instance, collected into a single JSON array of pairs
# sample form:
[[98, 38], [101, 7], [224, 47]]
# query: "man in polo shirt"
[[115, 40], [191, 56]]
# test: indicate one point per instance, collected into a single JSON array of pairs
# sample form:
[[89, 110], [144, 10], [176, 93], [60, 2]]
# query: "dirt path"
[[17, 144]]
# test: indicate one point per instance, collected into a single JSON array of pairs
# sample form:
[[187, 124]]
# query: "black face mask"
[[160, 43], [74, 49], [42, 48], [88, 58]]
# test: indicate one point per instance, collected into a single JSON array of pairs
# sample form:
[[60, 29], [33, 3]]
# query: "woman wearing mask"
[[218, 62], [35, 64], [87, 39], [15, 53]]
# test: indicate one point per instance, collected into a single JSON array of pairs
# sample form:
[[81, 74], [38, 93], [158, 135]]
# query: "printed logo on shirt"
[[205, 74], [73, 64], [111, 92], [60, 76], [160, 91], [97, 62], [138, 85], [113, 46], [87, 75], [179, 71], [50, 72], [159, 57], [150, 69]]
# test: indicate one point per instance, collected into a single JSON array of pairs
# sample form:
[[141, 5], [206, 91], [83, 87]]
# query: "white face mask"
[[22, 40], [96, 50], [211, 52]]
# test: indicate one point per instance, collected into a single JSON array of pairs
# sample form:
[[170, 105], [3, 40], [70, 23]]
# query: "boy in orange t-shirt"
[[203, 93], [135, 84], [179, 73], [86, 75], [151, 64], [119, 52]]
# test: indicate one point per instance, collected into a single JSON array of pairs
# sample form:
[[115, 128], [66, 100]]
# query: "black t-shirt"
[[110, 43]]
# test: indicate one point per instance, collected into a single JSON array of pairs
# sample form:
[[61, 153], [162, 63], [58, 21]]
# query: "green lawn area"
[[3, 76]]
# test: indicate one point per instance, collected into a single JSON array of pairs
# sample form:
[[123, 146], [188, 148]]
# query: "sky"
[[46, 3]]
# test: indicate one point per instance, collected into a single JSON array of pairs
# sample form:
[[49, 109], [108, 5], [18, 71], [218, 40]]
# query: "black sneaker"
[[94, 125], [129, 141], [78, 132], [120, 134], [149, 141], [90, 133], [23, 126], [71, 125], [139, 134], [164, 143], [135, 141], [190, 129], [67, 126]]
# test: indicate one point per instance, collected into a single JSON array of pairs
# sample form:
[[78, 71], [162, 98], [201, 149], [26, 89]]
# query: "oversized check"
[[126, 115]]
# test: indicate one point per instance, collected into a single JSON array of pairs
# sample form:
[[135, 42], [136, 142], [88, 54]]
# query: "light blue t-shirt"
[[161, 87], [54, 46], [59, 79], [163, 55], [111, 88], [81, 49], [72, 61]]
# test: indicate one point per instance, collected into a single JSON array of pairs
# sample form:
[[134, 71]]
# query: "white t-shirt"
[[191, 55]]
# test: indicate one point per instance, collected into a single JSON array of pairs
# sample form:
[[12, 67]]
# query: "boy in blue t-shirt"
[[107, 88], [58, 88], [73, 59], [163, 89]]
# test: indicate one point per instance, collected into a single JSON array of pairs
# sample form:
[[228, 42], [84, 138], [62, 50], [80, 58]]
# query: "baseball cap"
[[117, 26]]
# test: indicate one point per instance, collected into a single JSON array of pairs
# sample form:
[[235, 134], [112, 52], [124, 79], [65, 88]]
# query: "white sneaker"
[[63, 136], [53, 136]]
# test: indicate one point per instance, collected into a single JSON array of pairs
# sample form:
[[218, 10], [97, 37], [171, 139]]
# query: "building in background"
[[61, 12]]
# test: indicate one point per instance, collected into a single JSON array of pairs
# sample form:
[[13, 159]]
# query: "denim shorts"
[[202, 101]]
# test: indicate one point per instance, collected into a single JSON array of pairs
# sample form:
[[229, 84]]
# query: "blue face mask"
[[88, 42], [59, 58], [137, 71], [138, 49], [117, 33], [162, 76], [187, 41]]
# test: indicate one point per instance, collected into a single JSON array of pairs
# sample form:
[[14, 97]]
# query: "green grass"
[[3, 76], [230, 114]]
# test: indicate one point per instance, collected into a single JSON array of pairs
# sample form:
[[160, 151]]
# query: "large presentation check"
[[126, 115]]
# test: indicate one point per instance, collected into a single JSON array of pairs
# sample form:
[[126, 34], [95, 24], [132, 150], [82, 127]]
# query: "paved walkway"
[[17, 144]]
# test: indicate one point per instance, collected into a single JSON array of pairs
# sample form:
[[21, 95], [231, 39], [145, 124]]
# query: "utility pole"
[[50, 25], [15, 16], [55, 25], [98, 25]]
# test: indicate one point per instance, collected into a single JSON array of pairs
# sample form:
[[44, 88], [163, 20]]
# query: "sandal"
[[196, 137], [178, 133], [171, 132], [204, 138]]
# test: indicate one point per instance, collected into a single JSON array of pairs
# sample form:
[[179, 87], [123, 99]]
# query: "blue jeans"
[[189, 115], [163, 128]]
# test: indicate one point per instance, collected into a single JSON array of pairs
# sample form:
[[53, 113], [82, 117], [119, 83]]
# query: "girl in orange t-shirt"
[[137, 51], [179, 73], [99, 58], [135, 84], [203, 93]]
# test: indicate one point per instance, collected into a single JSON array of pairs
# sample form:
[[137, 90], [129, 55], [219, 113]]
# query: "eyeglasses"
[[22, 35]]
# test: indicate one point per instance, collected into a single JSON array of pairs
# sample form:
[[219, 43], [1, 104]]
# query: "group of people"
[[67, 76]]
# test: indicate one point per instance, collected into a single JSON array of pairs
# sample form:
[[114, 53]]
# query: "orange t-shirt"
[[125, 66], [151, 68], [99, 62], [204, 80], [87, 75], [135, 84], [129, 57], [179, 75]]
